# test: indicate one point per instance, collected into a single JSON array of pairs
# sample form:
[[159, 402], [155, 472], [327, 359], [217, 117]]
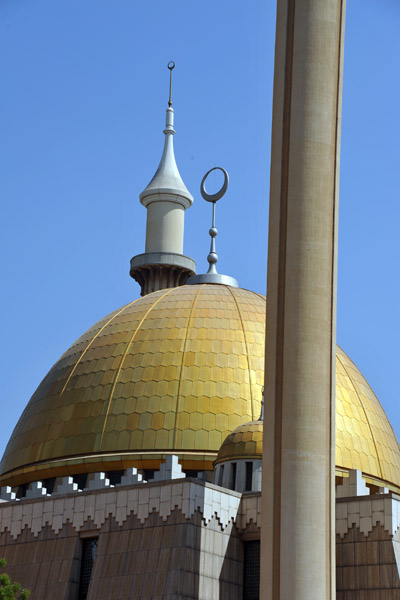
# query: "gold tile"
[[195, 421], [145, 421], [203, 403], [153, 404], [149, 437], [132, 421], [169, 422], [162, 439], [183, 420], [121, 422], [201, 439], [157, 421], [188, 436], [166, 403]]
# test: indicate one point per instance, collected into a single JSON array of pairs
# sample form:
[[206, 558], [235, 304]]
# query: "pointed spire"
[[163, 265], [167, 179]]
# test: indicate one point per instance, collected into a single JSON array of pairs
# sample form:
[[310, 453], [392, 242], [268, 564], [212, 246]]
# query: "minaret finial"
[[171, 66], [212, 258], [212, 275]]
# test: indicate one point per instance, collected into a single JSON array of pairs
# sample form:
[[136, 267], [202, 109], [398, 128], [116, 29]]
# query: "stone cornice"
[[367, 511]]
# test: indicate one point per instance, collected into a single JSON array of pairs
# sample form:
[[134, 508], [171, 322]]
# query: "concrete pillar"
[[297, 533]]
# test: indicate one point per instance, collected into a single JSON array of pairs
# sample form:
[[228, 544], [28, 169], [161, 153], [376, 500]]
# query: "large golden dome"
[[175, 371]]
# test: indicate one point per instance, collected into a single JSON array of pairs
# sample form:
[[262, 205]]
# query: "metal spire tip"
[[171, 66]]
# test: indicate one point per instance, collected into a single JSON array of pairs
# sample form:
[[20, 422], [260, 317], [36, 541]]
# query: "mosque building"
[[135, 469]]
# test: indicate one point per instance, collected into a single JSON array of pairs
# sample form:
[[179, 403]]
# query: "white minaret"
[[163, 265]]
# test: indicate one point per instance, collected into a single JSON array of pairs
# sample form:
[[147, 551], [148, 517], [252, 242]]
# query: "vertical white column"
[[297, 533]]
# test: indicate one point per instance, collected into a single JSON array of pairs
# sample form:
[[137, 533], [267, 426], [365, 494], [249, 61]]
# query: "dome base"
[[77, 465]]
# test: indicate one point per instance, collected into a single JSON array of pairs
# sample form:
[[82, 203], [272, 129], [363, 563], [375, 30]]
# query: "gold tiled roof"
[[174, 372], [244, 442], [364, 437]]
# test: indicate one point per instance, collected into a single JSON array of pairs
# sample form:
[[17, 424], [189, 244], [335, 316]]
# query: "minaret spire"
[[163, 265]]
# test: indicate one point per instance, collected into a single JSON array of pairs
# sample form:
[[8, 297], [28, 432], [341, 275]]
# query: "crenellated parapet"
[[188, 496]]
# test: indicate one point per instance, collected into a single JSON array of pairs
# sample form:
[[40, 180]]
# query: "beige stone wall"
[[368, 547], [181, 539], [366, 567], [173, 539], [172, 559], [176, 558], [48, 565]]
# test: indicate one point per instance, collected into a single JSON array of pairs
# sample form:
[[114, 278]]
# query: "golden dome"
[[244, 442], [175, 371]]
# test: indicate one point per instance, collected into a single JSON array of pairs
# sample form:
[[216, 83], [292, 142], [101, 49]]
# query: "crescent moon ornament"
[[221, 192], [212, 275]]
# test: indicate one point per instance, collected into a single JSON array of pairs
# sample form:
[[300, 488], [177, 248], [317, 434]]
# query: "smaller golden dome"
[[244, 442]]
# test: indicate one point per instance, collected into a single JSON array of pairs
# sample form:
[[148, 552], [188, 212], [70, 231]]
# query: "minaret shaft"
[[297, 537], [164, 229]]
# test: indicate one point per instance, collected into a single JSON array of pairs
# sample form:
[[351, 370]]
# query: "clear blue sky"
[[84, 92]]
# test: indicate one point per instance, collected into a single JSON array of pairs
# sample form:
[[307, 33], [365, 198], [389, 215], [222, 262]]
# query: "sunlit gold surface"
[[364, 437], [244, 442], [175, 371]]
